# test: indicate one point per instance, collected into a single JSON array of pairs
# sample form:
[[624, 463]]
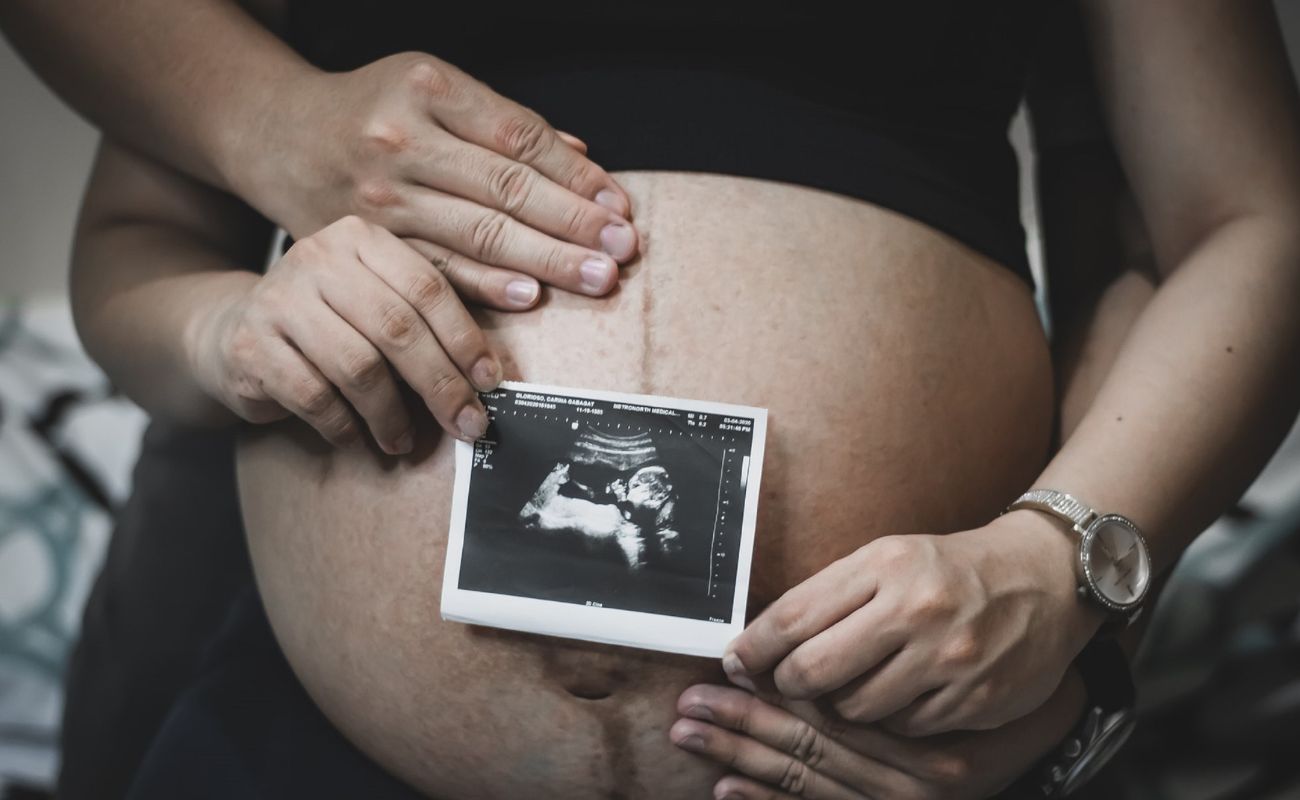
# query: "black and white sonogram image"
[[608, 504]]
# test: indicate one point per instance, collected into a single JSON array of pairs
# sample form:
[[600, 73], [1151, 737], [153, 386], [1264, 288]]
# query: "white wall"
[[45, 155]]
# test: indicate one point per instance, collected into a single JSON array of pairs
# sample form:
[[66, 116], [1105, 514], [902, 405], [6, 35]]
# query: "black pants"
[[247, 729], [176, 687], [175, 562]]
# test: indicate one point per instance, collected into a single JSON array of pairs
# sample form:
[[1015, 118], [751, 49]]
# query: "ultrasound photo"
[[604, 516]]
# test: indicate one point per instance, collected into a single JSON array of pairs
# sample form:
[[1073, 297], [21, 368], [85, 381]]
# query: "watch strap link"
[[1060, 504]]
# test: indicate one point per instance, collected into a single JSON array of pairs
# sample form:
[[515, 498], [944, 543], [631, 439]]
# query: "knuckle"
[[386, 136], [376, 193], [835, 727], [580, 175], [462, 341], [961, 650], [243, 348], [511, 184], [314, 398], [982, 695], [556, 265], [851, 708], [794, 778], [788, 619], [445, 264], [744, 713], [428, 290], [487, 235], [364, 369], [245, 388], [522, 137], [802, 673], [949, 769], [306, 251], [929, 601], [575, 220], [256, 411], [399, 326], [448, 389], [890, 550], [350, 226], [339, 430], [430, 79], [805, 744]]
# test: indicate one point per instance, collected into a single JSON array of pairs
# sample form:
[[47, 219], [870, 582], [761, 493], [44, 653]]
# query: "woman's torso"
[[909, 390]]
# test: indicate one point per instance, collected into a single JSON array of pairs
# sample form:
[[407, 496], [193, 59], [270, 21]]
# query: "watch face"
[[1115, 561]]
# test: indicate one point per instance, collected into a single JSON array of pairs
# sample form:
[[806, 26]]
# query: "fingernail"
[[619, 240], [405, 444], [736, 672], [471, 422], [595, 275], [611, 200], [700, 712], [522, 293], [692, 743], [486, 374]]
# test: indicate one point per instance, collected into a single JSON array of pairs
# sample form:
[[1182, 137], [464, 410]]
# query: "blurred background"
[[1219, 674]]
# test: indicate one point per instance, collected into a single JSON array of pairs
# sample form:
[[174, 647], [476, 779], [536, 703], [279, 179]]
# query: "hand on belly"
[[927, 634]]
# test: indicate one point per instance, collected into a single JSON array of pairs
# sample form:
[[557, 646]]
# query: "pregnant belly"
[[909, 391]]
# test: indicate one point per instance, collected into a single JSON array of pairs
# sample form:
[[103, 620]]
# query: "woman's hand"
[[928, 634], [482, 187], [329, 329], [784, 749]]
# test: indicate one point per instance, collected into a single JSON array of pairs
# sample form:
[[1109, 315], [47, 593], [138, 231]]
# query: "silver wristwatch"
[[1113, 567]]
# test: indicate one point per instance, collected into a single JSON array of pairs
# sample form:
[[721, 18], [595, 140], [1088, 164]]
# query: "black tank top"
[[904, 103]]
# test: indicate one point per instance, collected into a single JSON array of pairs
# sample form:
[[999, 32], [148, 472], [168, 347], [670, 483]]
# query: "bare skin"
[[929, 394]]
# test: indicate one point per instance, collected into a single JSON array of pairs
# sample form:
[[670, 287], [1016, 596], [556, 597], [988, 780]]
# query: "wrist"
[[202, 335], [1045, 552], [257, 152]]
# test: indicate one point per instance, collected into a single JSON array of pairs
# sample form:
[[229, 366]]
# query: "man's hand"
[[481, 186], [927, 634], [784, 749]]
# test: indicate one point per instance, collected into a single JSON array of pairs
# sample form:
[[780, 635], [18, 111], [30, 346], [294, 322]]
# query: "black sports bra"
[[903, 103]]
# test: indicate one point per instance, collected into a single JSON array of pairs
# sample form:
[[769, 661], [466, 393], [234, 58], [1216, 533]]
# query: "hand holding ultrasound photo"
[[625, 519]]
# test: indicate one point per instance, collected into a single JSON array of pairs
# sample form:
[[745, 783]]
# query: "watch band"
[[1060, 504], [1106, 721]]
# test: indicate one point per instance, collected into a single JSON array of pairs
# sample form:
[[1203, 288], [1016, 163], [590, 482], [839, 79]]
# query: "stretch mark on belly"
[[647, 337], [644, 227], [615, 733], [587, 673]]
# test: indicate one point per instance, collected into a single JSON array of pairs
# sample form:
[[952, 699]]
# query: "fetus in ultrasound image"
[[611, 492], [609, 505]]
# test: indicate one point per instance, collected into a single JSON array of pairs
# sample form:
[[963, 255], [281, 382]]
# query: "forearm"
[[1201, 392], [154, 255], [194, 84], [140, 292]]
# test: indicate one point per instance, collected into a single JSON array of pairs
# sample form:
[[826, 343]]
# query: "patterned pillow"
[[67, 444]]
